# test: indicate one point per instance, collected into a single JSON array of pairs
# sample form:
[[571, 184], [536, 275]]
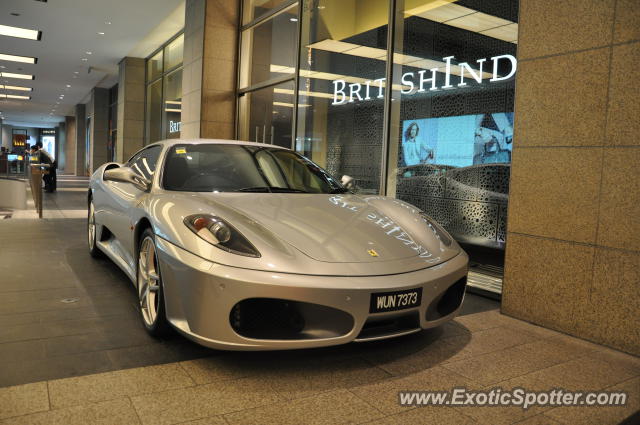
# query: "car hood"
[[379, 233], [335, 228]]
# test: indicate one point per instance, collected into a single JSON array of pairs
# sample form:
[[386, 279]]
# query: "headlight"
[[220, 234], [439, 231]]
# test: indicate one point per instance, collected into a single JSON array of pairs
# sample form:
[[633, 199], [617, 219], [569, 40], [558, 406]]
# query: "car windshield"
[[242, 168]]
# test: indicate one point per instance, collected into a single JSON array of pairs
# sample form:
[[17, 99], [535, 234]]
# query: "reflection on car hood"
[[340, 228]]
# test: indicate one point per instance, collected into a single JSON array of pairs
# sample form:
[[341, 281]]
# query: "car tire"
[[149, 286], [92, 228]]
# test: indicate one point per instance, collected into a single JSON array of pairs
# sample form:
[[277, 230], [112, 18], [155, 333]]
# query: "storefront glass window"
[[451, 119], [253, 9], [269, 49], [164, 92], [268, 114], [154, 67], [172, 104], [173, 53], [153, 123], [342, 83]]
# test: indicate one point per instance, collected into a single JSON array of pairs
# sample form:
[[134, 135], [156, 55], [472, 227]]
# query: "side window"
[[145, 161]]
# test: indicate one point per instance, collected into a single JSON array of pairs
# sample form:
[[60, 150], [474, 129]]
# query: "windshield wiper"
[[273, 189], [286, 190], [339, 190], [254, 189]]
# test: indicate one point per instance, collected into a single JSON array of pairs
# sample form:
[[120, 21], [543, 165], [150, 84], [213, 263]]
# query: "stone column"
[[61, 144], [209, 73], [70, 146], [131, 81], [81, 134], [573, 245], [98, 110]]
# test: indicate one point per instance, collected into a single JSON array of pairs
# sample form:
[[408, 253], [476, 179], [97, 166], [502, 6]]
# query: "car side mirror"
[[348, 182], [127, 175]]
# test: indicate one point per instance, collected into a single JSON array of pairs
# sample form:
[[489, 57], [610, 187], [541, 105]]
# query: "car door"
[[125, 197]]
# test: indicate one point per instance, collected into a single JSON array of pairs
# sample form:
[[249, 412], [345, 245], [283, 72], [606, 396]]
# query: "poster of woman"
[[415, 150]]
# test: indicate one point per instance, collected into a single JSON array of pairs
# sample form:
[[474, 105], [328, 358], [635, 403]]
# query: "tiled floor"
[[73, 351], [356, 383]]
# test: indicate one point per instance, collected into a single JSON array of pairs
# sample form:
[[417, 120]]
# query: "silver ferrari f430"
[[247, 246]]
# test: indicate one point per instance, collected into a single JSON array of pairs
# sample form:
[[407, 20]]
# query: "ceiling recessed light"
[[76, 72], [16, 88], [84, 59], [15, 58], [14, 96], [89, 53], [68, 85], [14, 75], [100, 33], [20, 32], [107, 22], [293, 19]]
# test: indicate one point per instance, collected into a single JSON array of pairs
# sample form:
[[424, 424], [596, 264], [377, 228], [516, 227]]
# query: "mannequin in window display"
[[414, 150]]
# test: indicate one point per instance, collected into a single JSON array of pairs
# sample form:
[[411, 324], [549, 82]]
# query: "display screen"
[[458, 141]]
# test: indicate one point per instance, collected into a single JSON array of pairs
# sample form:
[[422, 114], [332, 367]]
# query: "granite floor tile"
[[491, 340], [336, 407], [111, 385], [18, 372], [418, 354], [601, 415], [521, 325], [175, 406], [23, 399], [585, 373], [539, 420], [428, 415], [384, 394], [214, 420], [627, 361], [499, 366], [159, 352], [504, 415], [112, 412], [552, 351], [481, 321], [298, 380], [23, 350], [217, 368]]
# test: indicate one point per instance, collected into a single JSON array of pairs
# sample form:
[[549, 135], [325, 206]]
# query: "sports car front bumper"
[[210, 303]]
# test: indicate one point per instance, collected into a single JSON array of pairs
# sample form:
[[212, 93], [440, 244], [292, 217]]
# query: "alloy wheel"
[[91, 226], [148, 281]]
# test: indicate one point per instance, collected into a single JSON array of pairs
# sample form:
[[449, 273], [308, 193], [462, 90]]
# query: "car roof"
[[171, 142]]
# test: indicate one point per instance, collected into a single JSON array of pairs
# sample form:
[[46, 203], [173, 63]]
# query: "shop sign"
[[421, 81], [175, 126]]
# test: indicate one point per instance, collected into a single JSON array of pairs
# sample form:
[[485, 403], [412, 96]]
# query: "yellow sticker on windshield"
[[181, 150]]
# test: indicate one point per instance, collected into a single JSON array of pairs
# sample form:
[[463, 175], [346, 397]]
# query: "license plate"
[[396, 300]]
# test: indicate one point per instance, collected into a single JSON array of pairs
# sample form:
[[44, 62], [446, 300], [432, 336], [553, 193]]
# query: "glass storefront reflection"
[[344, 45], [269, 49], [172, 112], [451, 118], [268, 115]]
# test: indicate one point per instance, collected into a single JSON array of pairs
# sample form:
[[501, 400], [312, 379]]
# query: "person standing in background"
[[44, 157]]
